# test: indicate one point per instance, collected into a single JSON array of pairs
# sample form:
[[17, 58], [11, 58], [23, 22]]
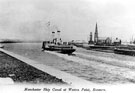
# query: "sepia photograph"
[[67, 46]]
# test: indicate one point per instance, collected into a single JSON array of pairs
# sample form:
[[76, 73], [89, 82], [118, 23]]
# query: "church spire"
[[96, 34]]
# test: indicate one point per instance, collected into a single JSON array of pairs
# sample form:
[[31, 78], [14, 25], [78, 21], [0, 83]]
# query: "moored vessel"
[[125, 50]]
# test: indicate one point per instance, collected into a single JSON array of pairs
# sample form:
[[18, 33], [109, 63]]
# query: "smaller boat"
[[57, 45], [101, 48], [127, 50]]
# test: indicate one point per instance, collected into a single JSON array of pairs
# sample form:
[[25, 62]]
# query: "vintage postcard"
[[67, 46]]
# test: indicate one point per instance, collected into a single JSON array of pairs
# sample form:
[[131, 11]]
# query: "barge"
[[126, 50]]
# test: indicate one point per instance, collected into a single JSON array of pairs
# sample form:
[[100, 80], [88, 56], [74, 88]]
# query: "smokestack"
[[53, 35], [58, 36]]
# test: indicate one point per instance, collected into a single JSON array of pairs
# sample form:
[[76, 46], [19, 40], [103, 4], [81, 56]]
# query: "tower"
[[90, 41], [91, 36], [96, 34]]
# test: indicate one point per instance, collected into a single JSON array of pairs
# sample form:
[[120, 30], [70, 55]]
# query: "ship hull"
[[125, 52], [109, 49], [65, 49]]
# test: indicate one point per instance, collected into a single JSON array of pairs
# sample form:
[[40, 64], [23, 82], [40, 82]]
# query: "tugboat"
[[57, 45]]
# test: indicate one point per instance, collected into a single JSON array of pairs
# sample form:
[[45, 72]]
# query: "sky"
[[28, 19]]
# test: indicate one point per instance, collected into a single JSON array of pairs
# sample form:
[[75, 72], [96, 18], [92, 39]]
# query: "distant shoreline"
[[21, 41]]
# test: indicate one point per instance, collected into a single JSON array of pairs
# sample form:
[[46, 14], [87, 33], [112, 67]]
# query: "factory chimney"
[[90, 36], [90, 40]]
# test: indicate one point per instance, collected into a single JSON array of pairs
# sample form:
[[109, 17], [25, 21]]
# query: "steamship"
[[57, 45]]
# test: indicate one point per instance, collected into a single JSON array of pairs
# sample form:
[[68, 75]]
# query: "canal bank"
[[15, 71], [55, 76]]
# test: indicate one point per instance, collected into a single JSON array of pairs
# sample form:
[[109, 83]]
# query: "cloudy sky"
[[27, 19]]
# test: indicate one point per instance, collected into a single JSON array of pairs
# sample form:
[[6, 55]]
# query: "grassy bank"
[[21, 72]]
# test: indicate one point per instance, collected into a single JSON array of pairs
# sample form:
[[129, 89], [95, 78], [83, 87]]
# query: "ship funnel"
[[58, 36], [53, 36]]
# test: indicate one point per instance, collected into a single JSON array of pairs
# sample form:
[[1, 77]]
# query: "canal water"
[[94, 66]]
